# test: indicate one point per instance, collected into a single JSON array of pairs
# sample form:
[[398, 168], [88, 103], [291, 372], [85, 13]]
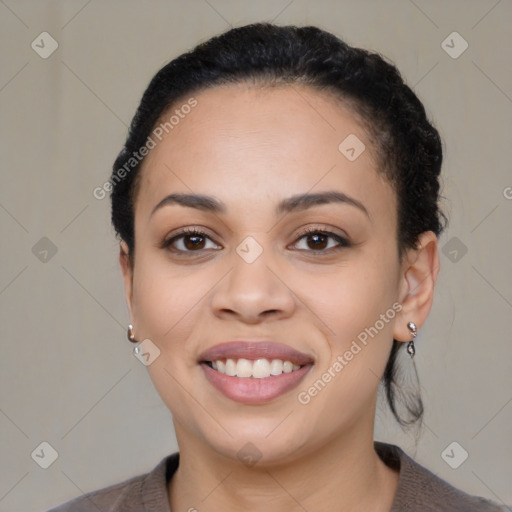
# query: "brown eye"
[[191, 240], [321, 241], [317, 241]]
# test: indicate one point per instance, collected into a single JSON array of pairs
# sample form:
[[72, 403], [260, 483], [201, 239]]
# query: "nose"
[[253, 292]]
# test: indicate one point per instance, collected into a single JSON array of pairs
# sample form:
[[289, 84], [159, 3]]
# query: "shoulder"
[[420, 490], [144, 492]]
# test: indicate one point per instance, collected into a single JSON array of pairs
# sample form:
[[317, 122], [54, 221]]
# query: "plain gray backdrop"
[[68, 376]]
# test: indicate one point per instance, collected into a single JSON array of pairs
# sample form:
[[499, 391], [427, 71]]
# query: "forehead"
[[259, 143]]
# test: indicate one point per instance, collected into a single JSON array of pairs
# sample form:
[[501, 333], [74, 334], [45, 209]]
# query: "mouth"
[[254, 372]]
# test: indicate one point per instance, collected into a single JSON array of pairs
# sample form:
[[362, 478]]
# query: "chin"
[[258, 444]]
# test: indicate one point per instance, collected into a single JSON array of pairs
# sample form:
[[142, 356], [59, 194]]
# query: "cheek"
[[354, 298], [359, 306], [359, 314], [165, 299]]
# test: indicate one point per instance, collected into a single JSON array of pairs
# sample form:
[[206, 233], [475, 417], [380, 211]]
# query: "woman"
[[276, 203]]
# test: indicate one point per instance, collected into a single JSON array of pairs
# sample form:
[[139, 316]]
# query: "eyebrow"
[[294, 203]]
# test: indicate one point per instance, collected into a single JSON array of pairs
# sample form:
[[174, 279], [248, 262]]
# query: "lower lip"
[[251, 390]]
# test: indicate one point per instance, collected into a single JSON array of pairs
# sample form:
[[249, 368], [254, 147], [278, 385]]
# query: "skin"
[[250, 147]]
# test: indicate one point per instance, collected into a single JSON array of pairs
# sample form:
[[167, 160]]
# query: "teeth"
[[258, 369], [230, 368], [276, 367], [243, 368]]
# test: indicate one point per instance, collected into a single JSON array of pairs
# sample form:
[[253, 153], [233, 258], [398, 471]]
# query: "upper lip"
[[253, 350]]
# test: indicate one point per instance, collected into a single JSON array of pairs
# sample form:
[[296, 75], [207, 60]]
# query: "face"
[[293, 255]]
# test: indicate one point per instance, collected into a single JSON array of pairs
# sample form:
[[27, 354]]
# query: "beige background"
[[68, 376]]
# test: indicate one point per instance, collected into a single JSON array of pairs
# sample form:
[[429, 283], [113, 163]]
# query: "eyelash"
[[342, 242]]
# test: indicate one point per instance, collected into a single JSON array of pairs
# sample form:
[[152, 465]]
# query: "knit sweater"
[[418, 490]]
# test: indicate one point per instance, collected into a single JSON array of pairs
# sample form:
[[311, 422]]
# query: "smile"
[[254, 372], [257, 369]]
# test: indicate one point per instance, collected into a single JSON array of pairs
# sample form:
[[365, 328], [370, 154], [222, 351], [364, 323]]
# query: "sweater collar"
[[156, 498]]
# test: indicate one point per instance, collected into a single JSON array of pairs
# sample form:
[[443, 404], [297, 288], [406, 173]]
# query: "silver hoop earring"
[[414, 332], [130, 335]]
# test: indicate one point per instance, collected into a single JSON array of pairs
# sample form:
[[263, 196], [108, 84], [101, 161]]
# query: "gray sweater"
[[418, 490]]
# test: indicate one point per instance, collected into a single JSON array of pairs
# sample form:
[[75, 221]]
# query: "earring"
[[130, 334], [410, 346]]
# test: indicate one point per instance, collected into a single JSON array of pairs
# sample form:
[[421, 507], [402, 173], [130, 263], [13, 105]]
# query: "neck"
[[343, 474]]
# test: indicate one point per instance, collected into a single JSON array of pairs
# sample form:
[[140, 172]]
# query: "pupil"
[[319, 241], [199, 242]]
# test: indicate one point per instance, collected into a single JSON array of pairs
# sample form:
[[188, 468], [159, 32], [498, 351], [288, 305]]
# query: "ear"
[[419, 275], [127, 271]]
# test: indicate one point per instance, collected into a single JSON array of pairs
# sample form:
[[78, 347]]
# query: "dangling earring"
[[410, 346], [130, 334]]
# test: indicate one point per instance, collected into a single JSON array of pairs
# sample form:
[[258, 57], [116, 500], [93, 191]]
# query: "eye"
[[189, 240], [314, 239], [311, 240]]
